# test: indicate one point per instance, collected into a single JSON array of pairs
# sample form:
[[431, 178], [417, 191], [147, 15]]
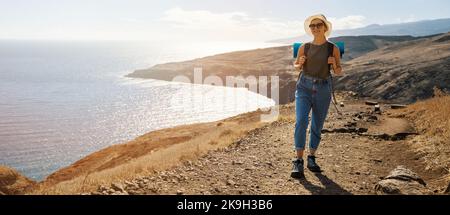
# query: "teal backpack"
[[340, 45]]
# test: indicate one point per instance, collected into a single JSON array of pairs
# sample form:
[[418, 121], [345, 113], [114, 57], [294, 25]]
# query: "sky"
[[198, 20]]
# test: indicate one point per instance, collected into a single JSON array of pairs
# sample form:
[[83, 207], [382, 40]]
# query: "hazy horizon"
[[194, 20]]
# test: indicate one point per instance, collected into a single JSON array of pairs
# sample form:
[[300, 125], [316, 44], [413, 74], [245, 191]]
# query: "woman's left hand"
[[332, 61]]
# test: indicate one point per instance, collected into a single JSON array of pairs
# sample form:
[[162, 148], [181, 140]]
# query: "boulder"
[[402, 181]]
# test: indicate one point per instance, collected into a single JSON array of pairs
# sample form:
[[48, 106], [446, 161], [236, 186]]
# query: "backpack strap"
[[330, 54], [330, 48], [307, 45]]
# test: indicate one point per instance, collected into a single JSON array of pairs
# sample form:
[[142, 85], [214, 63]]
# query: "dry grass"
[[286, 115], [148, 154], [12, 183], [432, 119], [286, 118]]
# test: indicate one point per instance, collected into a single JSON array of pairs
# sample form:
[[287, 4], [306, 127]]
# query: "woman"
[[313, 90]]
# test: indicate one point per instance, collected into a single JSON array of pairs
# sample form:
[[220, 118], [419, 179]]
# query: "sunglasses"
[[318, 25]]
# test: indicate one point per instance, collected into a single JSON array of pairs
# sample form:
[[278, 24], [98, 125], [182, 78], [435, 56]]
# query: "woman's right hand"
[[300, 62]]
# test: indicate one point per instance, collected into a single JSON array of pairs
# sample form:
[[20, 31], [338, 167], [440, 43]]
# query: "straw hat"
[[321, 17]]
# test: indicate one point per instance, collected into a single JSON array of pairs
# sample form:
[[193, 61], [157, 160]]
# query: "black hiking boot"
[[312, 165], [297, 170]]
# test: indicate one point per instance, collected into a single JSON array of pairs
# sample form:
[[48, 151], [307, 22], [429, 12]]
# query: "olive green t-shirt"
[[316, 64]]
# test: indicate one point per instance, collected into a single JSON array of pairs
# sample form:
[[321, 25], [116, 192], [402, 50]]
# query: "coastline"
[[78, 169], [105, 166], [272, 61]]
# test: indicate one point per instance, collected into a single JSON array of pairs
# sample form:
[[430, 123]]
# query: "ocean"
[[62, 100]]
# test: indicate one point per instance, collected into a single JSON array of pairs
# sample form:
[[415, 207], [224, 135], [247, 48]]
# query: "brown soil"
[[260, 162], [156, 150]]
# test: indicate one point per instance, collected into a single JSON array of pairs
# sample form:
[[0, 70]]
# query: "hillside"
[[358, 162], [13, 183], [404, 72], [416, 29], [278, 61]]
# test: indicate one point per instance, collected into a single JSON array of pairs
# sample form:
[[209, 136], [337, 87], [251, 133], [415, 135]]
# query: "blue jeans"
[[315, 95]]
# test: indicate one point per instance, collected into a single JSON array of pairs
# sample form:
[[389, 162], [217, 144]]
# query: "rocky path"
[[353, 159]]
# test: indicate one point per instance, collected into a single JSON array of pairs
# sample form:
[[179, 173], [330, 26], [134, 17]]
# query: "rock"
[[392, 186], [188, 163], [341, 104], [377, 160], [383, 136], [117, 187], [350, 124], [129, 183], [111, 191], [402, 173], [249, 168], [102, 188], [402, 136], [230, 182], [397, 106], [180, 192], [153, 189], [377, 109], [447, 191], [402, 181], [362, 130], [217, 189], [371, 103], [135, 192], [141, 185], [237, 162], [326, 130], [358, 115], [372, 118]]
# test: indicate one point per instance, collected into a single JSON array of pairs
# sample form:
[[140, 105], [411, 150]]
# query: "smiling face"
[[318, 27]]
